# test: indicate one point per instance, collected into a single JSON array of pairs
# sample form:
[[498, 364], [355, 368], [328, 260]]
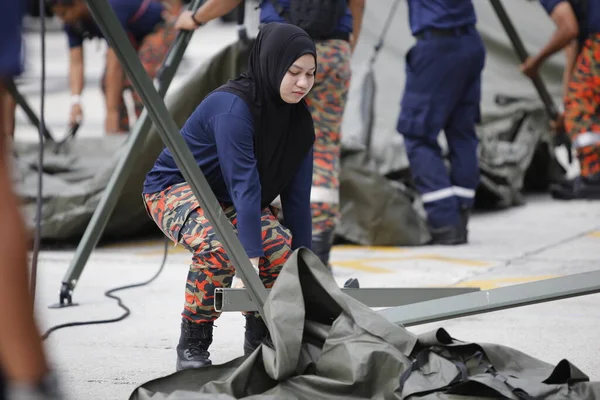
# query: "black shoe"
[[352, 283], [192, 350], [448, 235], [256, 333], [583, 188], [321, 246]]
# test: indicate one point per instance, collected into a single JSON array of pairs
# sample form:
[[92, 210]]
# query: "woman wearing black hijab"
[[252, 139]]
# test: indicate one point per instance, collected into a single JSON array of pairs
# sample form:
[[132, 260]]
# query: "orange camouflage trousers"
[[326, 102], [582, 107], [178, 215]]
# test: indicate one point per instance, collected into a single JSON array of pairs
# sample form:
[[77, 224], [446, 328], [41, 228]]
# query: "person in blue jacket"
[[252, 138], [150, 30], [443, 92], [25, 372]]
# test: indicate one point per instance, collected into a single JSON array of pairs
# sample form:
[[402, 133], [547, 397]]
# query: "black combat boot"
[[448, 235], [192, 350], [256, 333], [580, 188], [322, 243]]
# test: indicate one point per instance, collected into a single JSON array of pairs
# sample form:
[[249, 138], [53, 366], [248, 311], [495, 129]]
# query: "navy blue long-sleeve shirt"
[[220, 135]]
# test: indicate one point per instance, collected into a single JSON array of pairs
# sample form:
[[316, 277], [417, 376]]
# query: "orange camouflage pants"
[[327, 101], [178, 215], [582, 107]]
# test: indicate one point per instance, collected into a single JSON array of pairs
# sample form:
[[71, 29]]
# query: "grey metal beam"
[[168, 131], [495, 299], [118, 179], [11, 88], [239, 300]]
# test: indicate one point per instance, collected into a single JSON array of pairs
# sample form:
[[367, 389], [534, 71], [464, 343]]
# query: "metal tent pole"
[[495, 299], [11, 88], [167, 129], [238, 299]]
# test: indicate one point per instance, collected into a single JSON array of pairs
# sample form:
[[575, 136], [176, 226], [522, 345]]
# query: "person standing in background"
[[578, 32], [150, 30], [443, 92]]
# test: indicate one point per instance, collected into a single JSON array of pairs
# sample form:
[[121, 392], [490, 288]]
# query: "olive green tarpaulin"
[[327, 345]]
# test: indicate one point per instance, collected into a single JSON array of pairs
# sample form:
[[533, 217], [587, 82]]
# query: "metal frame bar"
[[168, 131], [239, 300], [11, 88], [119, 176], [495, 299]]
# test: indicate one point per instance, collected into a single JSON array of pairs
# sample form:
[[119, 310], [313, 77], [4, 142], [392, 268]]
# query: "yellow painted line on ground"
[[363, 264], [433, 257], [452, 260], [134, 244], [500, 282], [595, 234], [172, 250], [387, 249]]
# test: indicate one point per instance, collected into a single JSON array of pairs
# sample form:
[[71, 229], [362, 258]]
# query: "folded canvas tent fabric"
[[327, 345]]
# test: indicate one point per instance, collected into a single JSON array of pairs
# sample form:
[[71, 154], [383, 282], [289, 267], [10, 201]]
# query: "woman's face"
[[70, 14], [298, 80]]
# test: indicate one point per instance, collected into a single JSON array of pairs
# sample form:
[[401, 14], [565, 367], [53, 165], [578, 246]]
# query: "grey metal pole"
[[238, 299], [119, 177], [495, 299], [167, 129], [11, 88]]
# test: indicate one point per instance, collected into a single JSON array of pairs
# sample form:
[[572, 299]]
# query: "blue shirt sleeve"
[[123, 10], [75, 39], [295, 202], [234, 136], [549, 5], [11, 38]]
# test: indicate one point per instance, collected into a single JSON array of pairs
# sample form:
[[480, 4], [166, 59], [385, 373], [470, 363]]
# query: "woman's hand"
[[237, 282]]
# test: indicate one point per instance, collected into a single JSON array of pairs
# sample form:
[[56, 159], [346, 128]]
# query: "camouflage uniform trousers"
[[179, 216], [582, 107], [326, 102]]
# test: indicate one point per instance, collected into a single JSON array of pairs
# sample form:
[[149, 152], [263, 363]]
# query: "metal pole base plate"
[[66, 299]]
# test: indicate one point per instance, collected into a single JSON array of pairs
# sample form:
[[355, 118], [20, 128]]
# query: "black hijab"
[[283, 133]]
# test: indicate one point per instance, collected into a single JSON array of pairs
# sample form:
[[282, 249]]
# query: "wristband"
[[75, 99], [198, 23]]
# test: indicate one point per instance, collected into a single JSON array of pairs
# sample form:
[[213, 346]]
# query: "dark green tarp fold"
[[327, 345]]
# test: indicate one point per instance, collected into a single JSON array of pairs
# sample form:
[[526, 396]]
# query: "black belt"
[[334, 36], [436, 32]]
